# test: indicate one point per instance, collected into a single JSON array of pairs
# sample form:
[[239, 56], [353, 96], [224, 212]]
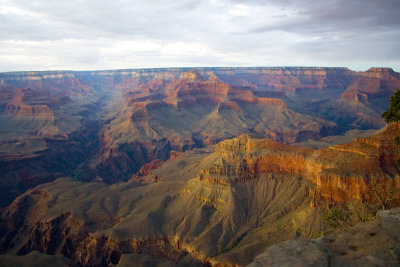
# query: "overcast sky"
[[115, 34]]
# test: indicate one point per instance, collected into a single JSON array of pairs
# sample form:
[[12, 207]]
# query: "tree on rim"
[[393, 115]]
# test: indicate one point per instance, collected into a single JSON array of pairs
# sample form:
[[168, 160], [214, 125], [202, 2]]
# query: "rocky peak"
[[380, 70], [191, 75], [145, 174], [380, 73], [212, 77], [242, 143]]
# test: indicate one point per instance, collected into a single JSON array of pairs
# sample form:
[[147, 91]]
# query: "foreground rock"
[[375, 243]]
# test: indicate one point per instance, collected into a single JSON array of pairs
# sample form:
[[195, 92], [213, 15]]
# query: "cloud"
[[103, 34]]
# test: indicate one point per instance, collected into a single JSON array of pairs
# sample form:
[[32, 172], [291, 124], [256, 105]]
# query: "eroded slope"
[[105, 125], [207, 208]]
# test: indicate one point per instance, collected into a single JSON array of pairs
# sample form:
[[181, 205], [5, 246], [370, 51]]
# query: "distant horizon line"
[[177, 68]]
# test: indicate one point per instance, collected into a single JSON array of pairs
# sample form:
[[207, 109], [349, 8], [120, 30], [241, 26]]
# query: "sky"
[[119, 34]]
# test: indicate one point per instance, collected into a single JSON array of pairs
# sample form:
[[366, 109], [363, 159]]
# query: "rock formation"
[[146, 171], [374, 243], [361, 168], [219, 208], [108, 124]]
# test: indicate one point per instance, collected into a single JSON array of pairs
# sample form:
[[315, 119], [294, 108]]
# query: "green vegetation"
[[349, 214], [361, 212], [228, 248], [336, 217], [393, 115]]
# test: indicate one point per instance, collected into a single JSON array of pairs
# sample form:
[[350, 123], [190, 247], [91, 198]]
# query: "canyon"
[[207, 208], [107, 124], [192, 166]]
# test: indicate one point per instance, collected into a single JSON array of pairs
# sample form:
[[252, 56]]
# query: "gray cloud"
[[102, 34], [340, 16]]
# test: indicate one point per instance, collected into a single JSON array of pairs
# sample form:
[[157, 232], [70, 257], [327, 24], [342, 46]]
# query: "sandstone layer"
[[106, 125], [222, 208]]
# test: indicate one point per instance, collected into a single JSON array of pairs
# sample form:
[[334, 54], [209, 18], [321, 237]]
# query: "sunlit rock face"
[[218, 206], [108, 124], [341, 173]]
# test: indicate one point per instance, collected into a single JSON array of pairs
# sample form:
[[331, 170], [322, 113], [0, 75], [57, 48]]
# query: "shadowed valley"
[[107, 124], [205, 166], [225, 206]]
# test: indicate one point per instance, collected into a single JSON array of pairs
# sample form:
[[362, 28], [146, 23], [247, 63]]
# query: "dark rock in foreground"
[[375, 243]]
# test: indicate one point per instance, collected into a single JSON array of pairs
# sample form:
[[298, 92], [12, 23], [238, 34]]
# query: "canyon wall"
[[219, 208], [107, 124]]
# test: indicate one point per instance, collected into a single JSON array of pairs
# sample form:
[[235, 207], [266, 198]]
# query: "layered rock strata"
[[220, 208]]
